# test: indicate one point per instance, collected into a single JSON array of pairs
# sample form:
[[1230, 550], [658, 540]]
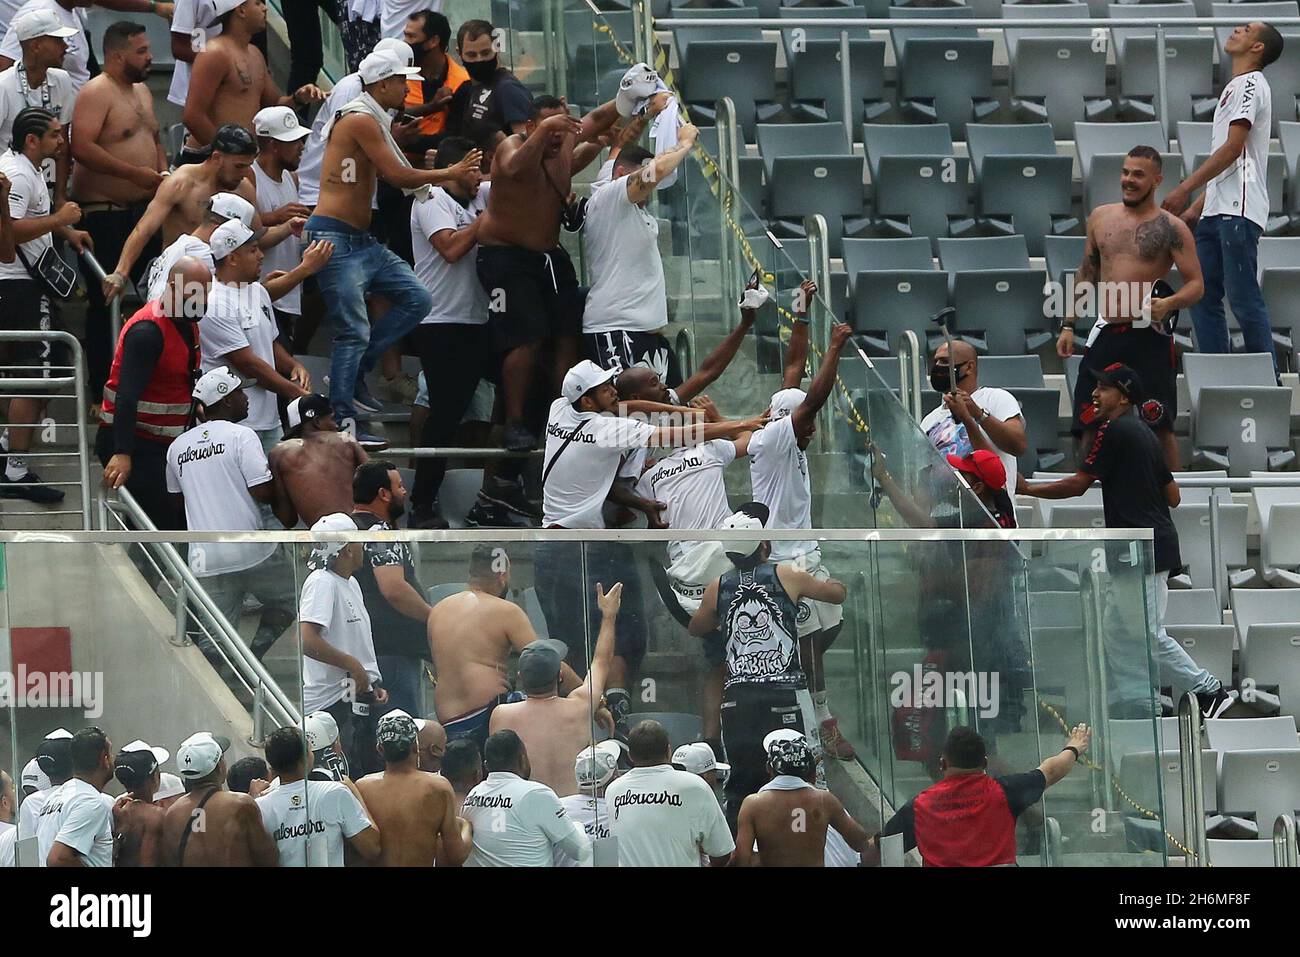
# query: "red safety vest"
[[163, 410], [965, 821]]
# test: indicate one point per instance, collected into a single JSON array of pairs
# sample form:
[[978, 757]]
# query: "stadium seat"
[[1001, 310], [1240, 416], [1103, 185], [1063, 255], [1210, 646], [1245, 734], [777, 140], [1007, 139], [830, 185], [1055, 609], [1244, 853], [1195, 606], [1193, 525], [887, 302], [744, 70], [1072, 375], [1057, 73], [1263, 781], [1254, 605], [685, 36], [991, 252], [947, 80], [458, 493], [1288, 132], [920, 188], [1194, 141], [1284, 74], [864, 254], [1201, 496], [590, 54], [1129, 736], [1011, 372], [1280, 544], [1077, 516], [813, 57], [754, 213], [1095, 140], [1038, 407], [532, 606], [1189, 63], [1028, 195], [1060, 666], [1141, 773], [436, 593], [1271, 657], [682, 728], [795, 252]]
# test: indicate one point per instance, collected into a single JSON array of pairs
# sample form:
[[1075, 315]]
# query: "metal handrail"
[[1192, 779], [114, 307], [1284, 842], [456, 452], [1281, 480], [979, 23], [250, 671], [909, 379]]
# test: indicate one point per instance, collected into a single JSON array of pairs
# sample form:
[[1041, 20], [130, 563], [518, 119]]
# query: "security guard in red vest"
[[147, 400], [968, 819]]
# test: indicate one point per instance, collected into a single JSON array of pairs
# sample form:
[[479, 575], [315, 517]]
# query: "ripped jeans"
[[1228, 248]]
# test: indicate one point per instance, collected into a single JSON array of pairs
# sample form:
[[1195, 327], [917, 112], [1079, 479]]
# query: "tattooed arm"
[[1183, 249]]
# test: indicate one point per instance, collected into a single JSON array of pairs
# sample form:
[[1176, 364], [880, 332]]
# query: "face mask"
[[480, 71], [940, 377]]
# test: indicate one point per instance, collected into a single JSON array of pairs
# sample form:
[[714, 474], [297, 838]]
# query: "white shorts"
[[818, 615]]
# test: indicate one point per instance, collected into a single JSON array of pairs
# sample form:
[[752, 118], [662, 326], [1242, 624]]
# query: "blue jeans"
[[361, 265], [402, 674], [1228, 248]]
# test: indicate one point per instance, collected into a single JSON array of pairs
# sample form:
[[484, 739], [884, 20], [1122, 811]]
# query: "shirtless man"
[[530, 281], [358, 151], [137, 820], [119, 166], [312, 468], [181, 201], [210, 826], [1130, 249], [414, 811], [789, 816], [471, 635], [229, 81], [555, 729]]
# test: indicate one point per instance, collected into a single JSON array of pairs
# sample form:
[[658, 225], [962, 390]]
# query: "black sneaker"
[[509, 496], [486, 515], [1214, 703], [30, 488], [516, 438], [426, 518]]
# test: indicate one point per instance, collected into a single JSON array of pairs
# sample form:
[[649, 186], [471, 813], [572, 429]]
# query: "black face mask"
[[941, 377], [480, 71]]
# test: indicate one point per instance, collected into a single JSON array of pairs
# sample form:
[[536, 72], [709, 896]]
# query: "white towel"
[[664, 133], [367, 104], [363, 10]]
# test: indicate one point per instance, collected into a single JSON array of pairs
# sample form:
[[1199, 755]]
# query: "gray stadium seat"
[[1127, 736], [816, 88], [920, 187], [1007, 139], [685, 36], [1265, 781], [1038, 407], [1058, 74], [99, 19], [1193, 524], [1201, 496], [1072, 373], [458, 493], [1240, 417], [1272, 657], [1288, 133], [591, 56], [744, 70], [831, 185], [1011, 372], [1029, 195], [1253, 605], [1278, 252], [1244, 853], [1279, 520], [909, 253], [1245, 734], [1284, 74], [1141, 772], [1135, 57], [887, 302], [947, 80], [1103, 185], [1195, 606], [1210, 646], [901, 35], [1001, 310], [991, 252], [1093, 140], [1063, 254], [928, 139], [802, 139], [795, 251]]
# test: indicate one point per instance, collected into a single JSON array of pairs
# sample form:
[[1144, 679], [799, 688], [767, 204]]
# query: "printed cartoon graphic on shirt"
[[758, 647], [950, 437]]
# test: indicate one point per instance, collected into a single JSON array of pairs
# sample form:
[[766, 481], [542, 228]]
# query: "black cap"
[[132, 768], [1123, 378], [55, 757], [234, 139]]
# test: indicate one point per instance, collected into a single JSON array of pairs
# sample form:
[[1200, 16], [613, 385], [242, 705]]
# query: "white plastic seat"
[[1265, 781]]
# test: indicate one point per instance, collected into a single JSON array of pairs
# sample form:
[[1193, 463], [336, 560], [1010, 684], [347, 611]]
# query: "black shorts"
[[1148, 353], [25, 306], [186, 156], [532, 296], [621, 350], [749, 713]]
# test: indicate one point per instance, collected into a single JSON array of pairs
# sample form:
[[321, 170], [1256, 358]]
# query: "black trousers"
[[454, 357], [306, 55], [110, 229], [148, 481], [357, 736], [750, 712]]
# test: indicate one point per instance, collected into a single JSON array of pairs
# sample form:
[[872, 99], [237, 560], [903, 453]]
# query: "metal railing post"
[[1162, 82], [846, 87], [1284, 842], [727, 201], [1219, 569], [182, 612], [1192, 780], [115, 307], [258, 736], [909, 374], [1098, 707], [819, 271]]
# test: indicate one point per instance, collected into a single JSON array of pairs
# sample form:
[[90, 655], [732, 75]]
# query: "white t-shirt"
[[214, 465], [520, 823], [393, 14], [949, 436], [182, 246], [627, 275], [29, 198], [690, 482], [577, 484], [29, 811], [75, 61], [778, 474], [663, 817], [287, 253], [8, 838], [458, 296], [189, 17], [309, 820], [336, 605], [7, 10], [78, 816], [239, 316], [56, 94], [1242, 188], [590, 814], [345, 91]]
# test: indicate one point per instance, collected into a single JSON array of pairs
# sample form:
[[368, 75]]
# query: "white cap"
[[596, 765], [33, 777], [232, 206], [334, 522], [279, 123], [200, 753], [780, 734], [321, 730], [750, 517], [159, 754], [639, 83], [211, 388], [420, 723], [786, 401], [405, 55], [228, 237], [220, 8], [58, 734], [584, 377], [380, 66], [41, 23], [698, 758], [169, 786]]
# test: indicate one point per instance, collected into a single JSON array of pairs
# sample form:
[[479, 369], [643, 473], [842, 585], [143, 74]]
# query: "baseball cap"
[[321, 730], [638, 83], [1123, 378], [279, 123], [400, 713], [380, 66], [786, 401], [221, 7], [334, 522], [597, 764], [305, 408], [398, 728], [229, 236], [539, 663], [169, 787], [750, 517], [400, 48], [136, 761], [984, 465], [780, 734], [214, 386], [54, 754], [234, 139], [232, 206], [584, 377], [41, 23], [200, 753], [697, 758], [33, 777]]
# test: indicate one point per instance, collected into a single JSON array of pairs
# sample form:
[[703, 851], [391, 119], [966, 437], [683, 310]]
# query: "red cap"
[[982, 464]]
